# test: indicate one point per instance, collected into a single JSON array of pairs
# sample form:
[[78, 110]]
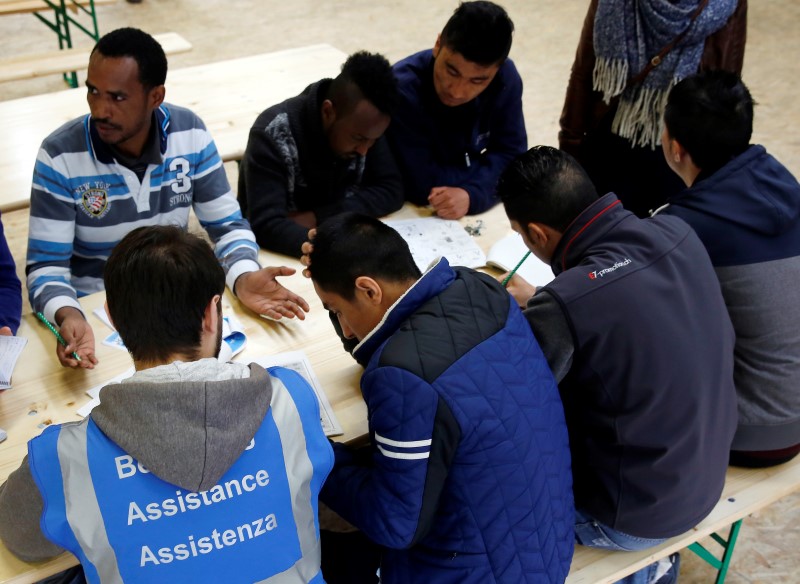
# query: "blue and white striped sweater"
[[83, 203]]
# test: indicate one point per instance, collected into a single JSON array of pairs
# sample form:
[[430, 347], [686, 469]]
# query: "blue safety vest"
[[257, 524]]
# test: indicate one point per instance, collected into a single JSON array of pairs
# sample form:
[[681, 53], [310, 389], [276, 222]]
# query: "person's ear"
[[437, 46], [156, 96], [328, 113], [369, 290], [212, 314], [537, 234], [679, 153], [543, 239]]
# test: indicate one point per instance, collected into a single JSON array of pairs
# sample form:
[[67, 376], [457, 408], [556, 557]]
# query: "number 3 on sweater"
[[182, 181]]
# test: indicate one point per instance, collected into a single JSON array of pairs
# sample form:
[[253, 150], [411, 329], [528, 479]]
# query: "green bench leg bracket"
[[61, 24], [727, 545]]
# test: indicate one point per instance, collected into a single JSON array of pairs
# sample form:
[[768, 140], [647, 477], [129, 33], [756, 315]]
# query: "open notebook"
[[506, 253]]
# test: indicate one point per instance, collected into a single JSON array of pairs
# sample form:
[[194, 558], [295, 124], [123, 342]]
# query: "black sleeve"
[[552, 331], [264, 196]]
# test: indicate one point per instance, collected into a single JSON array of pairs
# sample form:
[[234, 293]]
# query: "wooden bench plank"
[[746, 491], [26, 6], [75, 59]]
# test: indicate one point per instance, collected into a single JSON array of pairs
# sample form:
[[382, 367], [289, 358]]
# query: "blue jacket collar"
[[435, 279], [103, 153]]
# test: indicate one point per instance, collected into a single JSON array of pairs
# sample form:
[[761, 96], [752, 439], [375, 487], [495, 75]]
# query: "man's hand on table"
[[6, 332], [79, 336], [260, 292], [449, 202], [519, 288]]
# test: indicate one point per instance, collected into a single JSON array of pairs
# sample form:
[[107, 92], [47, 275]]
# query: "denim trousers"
[[592, 533]]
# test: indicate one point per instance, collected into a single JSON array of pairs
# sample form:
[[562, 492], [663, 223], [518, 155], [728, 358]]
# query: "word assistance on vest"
[[192, 546]]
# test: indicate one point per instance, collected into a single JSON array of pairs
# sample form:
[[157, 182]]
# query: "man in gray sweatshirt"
[[190, 470]]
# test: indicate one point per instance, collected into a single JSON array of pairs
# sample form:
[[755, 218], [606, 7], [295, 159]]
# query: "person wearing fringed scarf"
[[611, 120]]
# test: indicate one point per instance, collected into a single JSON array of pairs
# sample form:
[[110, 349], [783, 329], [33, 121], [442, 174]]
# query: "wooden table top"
[[227, 95], [45, 393]]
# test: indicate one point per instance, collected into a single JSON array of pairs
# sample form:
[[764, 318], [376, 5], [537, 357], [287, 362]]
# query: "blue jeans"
[[592, 533]]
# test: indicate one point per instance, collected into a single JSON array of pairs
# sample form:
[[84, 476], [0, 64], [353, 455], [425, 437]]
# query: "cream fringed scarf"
[[627, 34]]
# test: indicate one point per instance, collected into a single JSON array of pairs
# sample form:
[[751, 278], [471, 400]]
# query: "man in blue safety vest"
[[191, 469]]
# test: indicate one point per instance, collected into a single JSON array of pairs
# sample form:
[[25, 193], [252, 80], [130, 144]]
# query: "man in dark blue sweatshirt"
[[744, 206], [459, 120]]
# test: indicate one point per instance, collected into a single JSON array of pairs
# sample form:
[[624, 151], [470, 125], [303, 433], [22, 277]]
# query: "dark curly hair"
[[139, 46], [372, 74]]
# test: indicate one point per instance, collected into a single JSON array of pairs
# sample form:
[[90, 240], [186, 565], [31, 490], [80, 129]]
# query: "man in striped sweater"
[[133, 161]]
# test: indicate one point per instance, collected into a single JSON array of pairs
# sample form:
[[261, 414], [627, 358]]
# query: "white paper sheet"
[[298, 361], [10, 350], [430, 238]]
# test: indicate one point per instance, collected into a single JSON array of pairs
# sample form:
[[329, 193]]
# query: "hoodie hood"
[[753, 191], [187, 423]]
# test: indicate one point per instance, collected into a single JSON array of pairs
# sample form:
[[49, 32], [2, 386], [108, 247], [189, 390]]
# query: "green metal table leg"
[[727, 545]]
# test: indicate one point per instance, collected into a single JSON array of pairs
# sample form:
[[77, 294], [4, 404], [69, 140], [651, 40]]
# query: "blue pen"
[[53, 330]]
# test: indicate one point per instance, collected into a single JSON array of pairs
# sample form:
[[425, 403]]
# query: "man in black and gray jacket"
[[320, 153], [635, 329]]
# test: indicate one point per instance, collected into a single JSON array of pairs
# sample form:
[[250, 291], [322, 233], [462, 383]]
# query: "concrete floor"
[[544, 46]]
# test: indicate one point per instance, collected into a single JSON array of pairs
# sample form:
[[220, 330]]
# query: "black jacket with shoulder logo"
[[648, 393]]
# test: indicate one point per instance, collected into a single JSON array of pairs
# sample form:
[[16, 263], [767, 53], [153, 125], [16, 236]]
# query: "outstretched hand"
[[260, 292]]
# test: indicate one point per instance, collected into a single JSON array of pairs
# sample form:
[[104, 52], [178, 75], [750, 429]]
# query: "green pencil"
[[514, 271], [53, 330]]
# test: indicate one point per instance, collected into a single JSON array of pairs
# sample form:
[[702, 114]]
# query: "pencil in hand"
[[507, 279], [53, 330]]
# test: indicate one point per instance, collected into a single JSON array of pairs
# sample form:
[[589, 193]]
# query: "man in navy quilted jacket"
[[468, 478]]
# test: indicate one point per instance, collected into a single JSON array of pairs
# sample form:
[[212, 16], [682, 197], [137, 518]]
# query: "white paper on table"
[[115, 341], [103, 315], [10, 350], [298, 361], [94, 392], [430, 238]]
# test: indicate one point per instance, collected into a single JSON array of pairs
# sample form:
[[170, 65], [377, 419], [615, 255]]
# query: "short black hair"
[[351, 245], [711, 115], [545, 185], [159, 280], [480, 31], [141, 47], [364, 76]]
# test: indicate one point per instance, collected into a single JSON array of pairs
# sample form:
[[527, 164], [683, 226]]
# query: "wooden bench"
[[75, 59], [62, 21], [746, 491], [28, 6], [227, 95]]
